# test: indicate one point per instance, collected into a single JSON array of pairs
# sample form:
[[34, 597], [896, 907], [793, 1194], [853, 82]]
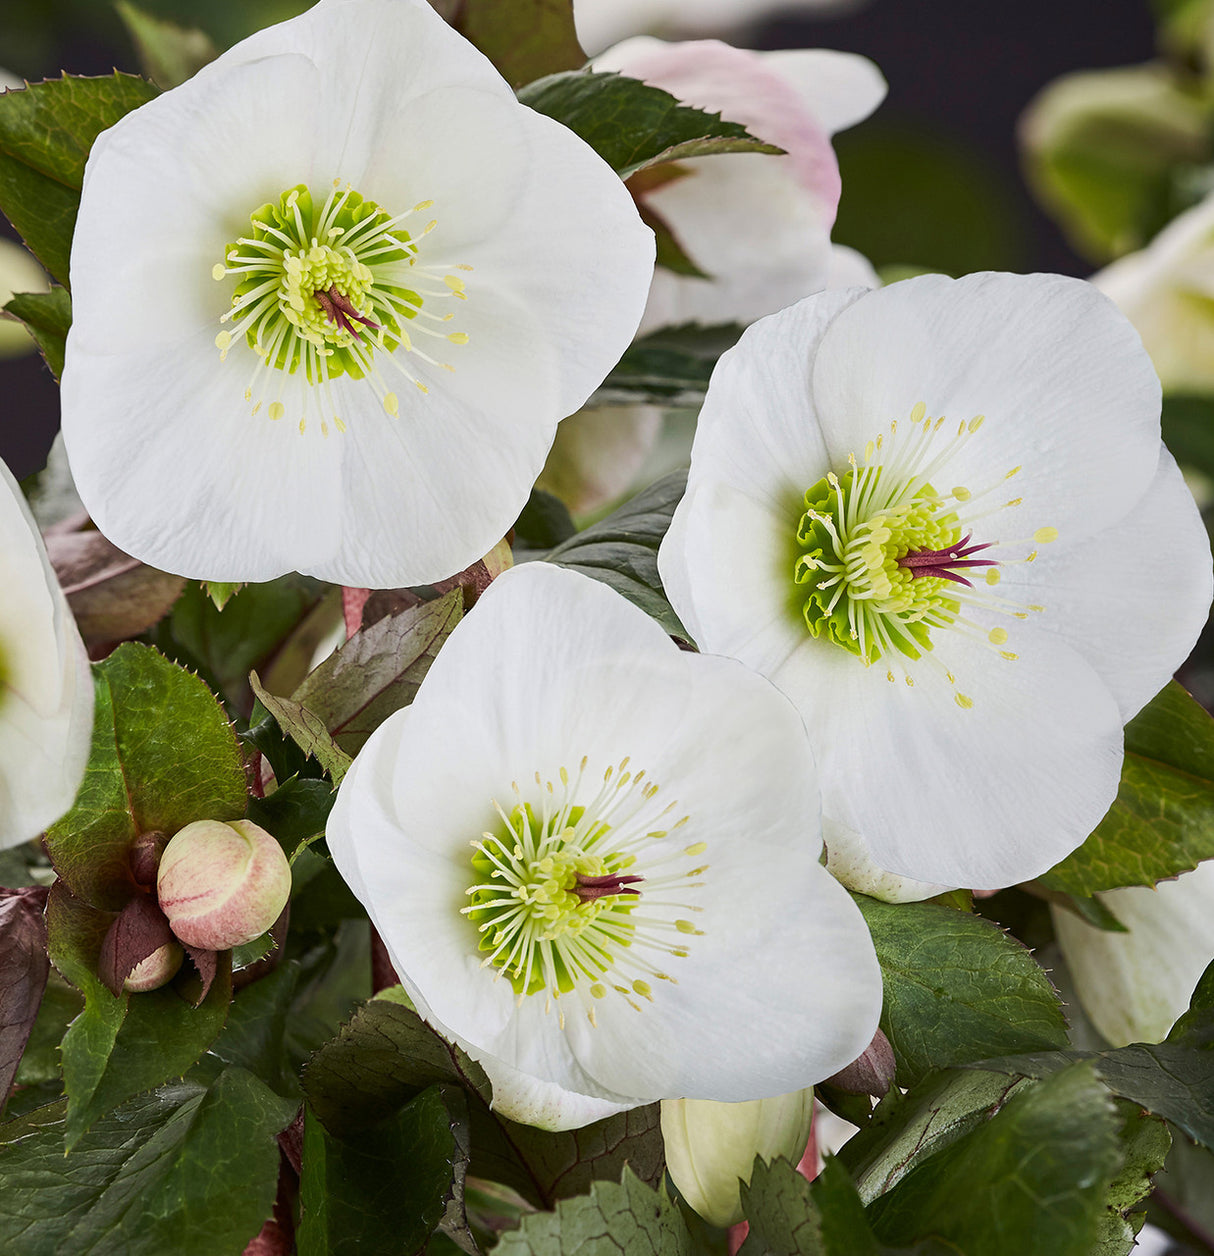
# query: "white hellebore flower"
[[757, 225], [939, 517], [1134, 986], [46, 691], [711, 1147], [1167, 291], [331, 297], [593, 859]]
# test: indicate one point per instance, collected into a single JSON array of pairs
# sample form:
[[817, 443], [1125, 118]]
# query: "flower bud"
[[157, 970], [710, 1146], [222, 884]]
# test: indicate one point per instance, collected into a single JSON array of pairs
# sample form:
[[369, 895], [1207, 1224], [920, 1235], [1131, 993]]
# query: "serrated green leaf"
[[622, 550], [163, 755], [254, 1035], [524, 39], [629, 1217], [389, 1188], [1032, 1179], [1145, 1142], [387, 1055], [784, 1220], [377, 671], [295, 812], [907, 1129], [1196, 1027], [168, 54], [46, 131], [668, 367], [1162, 822], [632, 125], [186, 1170], [957, 988], [121, 1045], [48, 315]]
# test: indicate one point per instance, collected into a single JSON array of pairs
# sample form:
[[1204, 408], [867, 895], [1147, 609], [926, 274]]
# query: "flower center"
[[331, 291], [886, 559], [576, 899]]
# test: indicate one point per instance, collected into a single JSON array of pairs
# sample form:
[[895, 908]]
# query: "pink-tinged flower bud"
[[157, 970], [222, 884]]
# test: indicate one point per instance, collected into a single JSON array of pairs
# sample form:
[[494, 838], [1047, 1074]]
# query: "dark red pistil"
[[946, 563], [341, 313], [590, 888]]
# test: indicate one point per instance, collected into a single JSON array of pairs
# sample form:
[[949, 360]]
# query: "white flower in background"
[[711, 1147], [46, 692], [758, 225], [603, 22], [19, 272], [1134, 986], [1167, 291], [603, 905], [939, 517], [331, 297]]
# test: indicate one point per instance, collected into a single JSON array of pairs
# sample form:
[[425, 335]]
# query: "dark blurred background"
[[932, 180]]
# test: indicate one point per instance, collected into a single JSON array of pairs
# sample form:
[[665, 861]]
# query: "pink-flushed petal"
[[1051, 364], [838, 88], [1153, 573], [597, 454]]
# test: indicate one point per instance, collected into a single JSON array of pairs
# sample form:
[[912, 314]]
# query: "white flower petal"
[[850, 863], [46, 690], [545, 1105], [838, 88], [1135, 985], [1155, 572], [1051, 364]]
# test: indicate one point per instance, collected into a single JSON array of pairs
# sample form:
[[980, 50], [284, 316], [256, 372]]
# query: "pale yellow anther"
[[1007, 654], [392, 404], [962, 494], [339, 424], [976, 422], [1012, 472], [918, 411], [218, 270], [303, 426], [685, 926], [1043, 536], [458, 337], [1036, 608], [417, 209], [222, 341], [598, 990], [1014, 502], [997, 636], [644, 989], [962, 701], [276, 410], [992, 576], [696, 848]]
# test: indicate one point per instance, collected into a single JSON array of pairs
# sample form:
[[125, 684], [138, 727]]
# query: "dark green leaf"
[[377, 671], [388, 1189], [387, 1055], [957, 988], [1032, 1179], [46, 131], [305, 728], [785, 1219], [283, 755], [632, 125], [545, 522], [48, 315], [122, 1045], [668, 367], [1188, 430], [168, 54], [1183, 1200], [1196, 1027], [253, 1037], [523, 39], [907, 1129], [622, 550], [163, 755], [248, 633], [184, 1171], [295, 812], [613, 1218], [1162, 822]]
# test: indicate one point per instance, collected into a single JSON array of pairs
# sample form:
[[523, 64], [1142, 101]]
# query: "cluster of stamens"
[[339, 290], [885, 559], [585, 899]]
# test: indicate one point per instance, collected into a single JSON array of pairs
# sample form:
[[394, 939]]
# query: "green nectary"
[[538, 930], [319, 282], [854, 591]]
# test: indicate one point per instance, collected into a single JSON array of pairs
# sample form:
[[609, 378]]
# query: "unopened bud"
[[157, 970], [222, 884], [871, 1074], [711, 1147]]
